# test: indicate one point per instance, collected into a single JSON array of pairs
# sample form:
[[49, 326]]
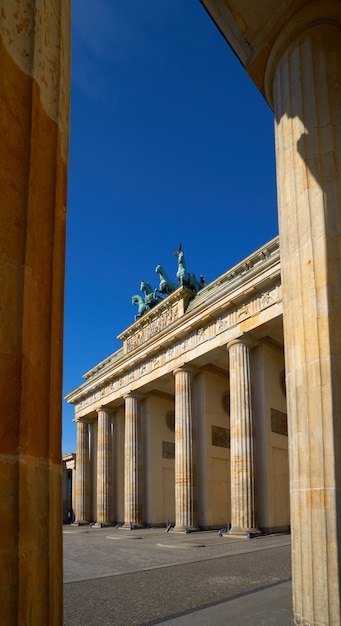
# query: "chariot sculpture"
[[166, 286]]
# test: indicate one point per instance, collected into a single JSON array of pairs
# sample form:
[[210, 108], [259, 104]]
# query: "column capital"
[[81, 420], [134, 394], [107, 409], [185, 368], [313, 14], [246, 340]]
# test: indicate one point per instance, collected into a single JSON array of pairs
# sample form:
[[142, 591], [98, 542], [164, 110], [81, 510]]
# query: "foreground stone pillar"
[[104, 467], [34, 129], [132, 463], [185, 502], [82, 482], [243, 515], [304, 84]]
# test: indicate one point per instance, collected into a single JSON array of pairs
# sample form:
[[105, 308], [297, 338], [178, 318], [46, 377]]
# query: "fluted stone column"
[[243, 515], [132, 462], [304, 85], [104, 467], [82, 482], [185, 497], [34, 132], [65, 484]]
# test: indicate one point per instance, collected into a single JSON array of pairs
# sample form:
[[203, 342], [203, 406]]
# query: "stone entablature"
[[160, 317], [153, 348]]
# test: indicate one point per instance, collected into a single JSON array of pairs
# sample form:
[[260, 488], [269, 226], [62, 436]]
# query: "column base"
[[80, 522], [185, 529], [101, 524], [247, 533], [132, 526]]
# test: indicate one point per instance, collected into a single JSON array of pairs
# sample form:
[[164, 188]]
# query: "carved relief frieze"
[[193, 340], [170, 353], [225, 321], [90, 399], [114, 385], [155, 362], [221, 324], [143, 369], [270, 296], [244, 312], [253, 306], [154, 326], [134, 341], [266, 299], [201, 335]]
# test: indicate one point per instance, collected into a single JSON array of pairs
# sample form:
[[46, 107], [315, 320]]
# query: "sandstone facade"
[[193, 409]]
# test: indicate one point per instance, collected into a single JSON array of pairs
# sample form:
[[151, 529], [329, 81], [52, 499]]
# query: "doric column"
[[243, 517], [304, 84], [104, 467], [82, 482], [132, 462], [34, 131], [185, 501], [65, 485]]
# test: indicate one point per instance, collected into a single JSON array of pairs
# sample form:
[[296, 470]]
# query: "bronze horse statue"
[[166, 286], [148, 302], [184, 278]]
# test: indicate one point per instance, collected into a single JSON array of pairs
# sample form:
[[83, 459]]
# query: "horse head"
[[146, 287], [181, 258]]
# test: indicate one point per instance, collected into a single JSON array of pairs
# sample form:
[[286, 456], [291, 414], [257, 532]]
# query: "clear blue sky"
[[170, 142]]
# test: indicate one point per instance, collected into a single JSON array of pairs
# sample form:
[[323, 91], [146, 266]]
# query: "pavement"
[[148, 576]]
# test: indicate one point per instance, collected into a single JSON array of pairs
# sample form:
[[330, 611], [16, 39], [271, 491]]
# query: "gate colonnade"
[[172, 348]]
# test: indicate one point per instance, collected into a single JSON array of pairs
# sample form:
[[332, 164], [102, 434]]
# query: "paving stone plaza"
[[114, 576]]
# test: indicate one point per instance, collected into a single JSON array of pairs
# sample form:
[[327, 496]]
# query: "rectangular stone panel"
[[220, 437], [279, 422], [168, 450]]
